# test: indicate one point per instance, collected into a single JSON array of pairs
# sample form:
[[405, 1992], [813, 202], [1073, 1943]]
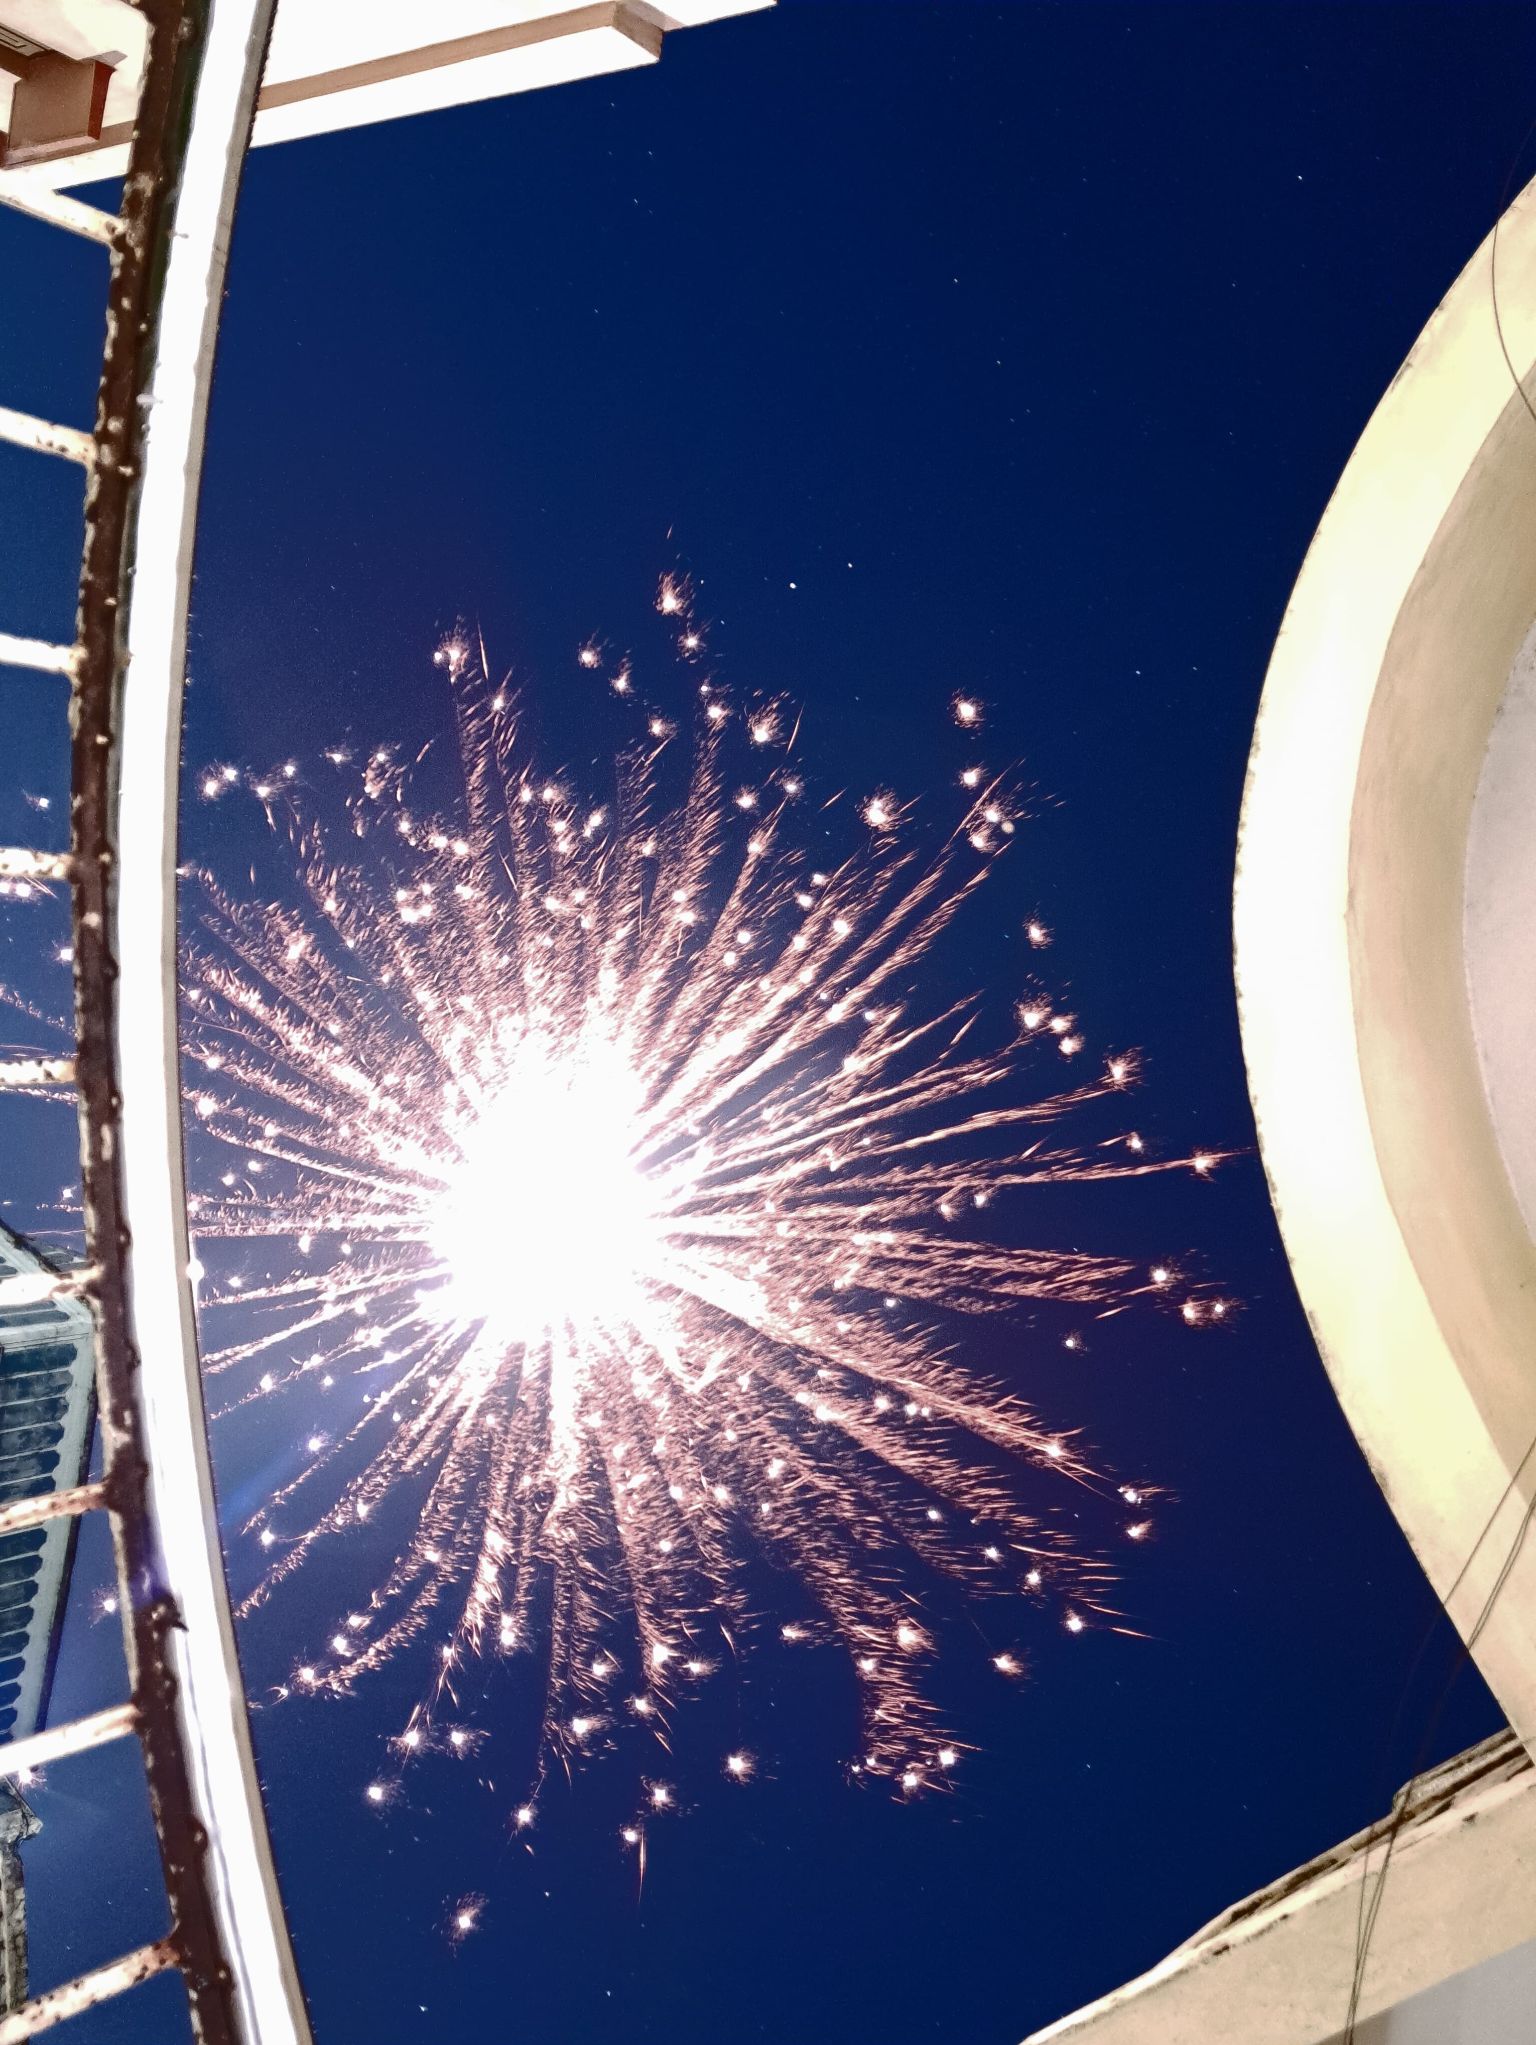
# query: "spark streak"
[[632, 1196]]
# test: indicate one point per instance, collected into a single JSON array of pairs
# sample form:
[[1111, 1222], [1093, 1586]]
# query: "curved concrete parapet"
[[1389, 1170]]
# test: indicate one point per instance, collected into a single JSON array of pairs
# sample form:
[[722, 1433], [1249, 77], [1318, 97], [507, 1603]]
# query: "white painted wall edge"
[[1276, 1969]]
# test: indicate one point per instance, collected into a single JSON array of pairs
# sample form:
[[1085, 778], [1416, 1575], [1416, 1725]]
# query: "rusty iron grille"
[[167, 248]]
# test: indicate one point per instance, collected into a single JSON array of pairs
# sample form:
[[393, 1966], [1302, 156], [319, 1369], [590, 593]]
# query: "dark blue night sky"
[[1013, 349]]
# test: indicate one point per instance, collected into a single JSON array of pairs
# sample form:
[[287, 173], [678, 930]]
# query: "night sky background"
[[1014, 349]]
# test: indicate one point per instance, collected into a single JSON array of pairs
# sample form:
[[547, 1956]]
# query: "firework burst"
[[636, 1199]]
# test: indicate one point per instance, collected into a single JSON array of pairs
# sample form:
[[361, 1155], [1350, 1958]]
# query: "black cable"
[[1369, 1907]]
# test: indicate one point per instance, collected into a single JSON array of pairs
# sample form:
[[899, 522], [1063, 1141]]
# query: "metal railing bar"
[[77, 1736], [23, 1513], [59, 2004], [44, 437], [38, 653], [53, 208], [22, 1074], [17, 862]]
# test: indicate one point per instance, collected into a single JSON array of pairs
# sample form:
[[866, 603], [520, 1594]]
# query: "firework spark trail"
[[628, 1177]]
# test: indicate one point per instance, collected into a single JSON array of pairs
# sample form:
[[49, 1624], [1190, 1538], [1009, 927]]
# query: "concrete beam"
[[335, 64]]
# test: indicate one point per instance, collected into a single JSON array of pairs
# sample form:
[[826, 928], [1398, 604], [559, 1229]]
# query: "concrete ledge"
[[1276, 1969]]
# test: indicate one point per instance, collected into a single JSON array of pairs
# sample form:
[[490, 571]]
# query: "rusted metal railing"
[[168, 248]]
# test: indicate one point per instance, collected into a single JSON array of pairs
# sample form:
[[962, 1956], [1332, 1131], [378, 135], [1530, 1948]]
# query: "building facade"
[[47, 1407]]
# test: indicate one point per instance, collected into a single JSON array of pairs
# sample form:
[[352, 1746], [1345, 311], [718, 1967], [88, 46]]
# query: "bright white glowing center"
[[544, 1220]]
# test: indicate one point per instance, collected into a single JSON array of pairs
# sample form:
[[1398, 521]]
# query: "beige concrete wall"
[[1494, 2004], [1500, 926]]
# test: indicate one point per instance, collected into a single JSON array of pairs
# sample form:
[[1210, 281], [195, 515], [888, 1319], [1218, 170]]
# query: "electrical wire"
[[1372, 1891]]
